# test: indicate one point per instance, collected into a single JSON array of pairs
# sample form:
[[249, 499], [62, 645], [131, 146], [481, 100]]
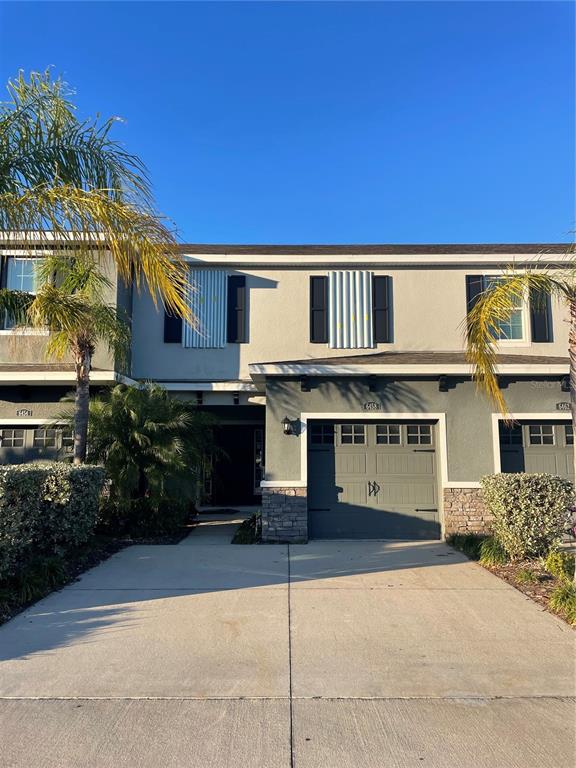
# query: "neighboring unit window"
[[67, 440], [510, 435], [21, 275], [382, 308], [236, 321], [541, 434], [569, 434], [319, 310], [352, 434], [44, 438], [388, 434], [419, 434], [11, 438], [172, 328], [322, 434]]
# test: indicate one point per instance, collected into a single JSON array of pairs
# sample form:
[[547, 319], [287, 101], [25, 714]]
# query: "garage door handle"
[[424, 450], [425, 510]]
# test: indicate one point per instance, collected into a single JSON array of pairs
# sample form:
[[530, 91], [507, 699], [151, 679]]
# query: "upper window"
[[322, 434], [541, 434], [513, 328], [352, 434], [21, 275]]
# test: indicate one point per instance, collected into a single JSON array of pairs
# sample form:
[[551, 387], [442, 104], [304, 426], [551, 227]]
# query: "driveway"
[[329, 655]]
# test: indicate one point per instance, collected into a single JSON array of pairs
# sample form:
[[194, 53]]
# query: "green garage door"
[[537, 446], [372, 480]]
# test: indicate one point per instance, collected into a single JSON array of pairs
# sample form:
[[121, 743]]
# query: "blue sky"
[[328, 122]]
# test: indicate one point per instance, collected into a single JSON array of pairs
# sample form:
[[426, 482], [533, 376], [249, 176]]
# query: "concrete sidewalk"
[[329, 655]]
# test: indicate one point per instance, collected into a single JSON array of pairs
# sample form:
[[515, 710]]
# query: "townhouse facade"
[[339, 379]]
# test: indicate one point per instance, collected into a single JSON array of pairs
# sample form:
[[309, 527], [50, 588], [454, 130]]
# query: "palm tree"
[[70, 304], [67, 181], [152, 445], [495, 307]]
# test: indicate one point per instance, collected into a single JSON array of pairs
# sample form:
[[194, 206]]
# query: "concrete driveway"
[[330, 655]]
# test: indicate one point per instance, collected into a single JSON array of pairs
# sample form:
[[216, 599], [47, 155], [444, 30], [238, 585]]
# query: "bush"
[[142, 517], [250, 530], [468, 543], [44, 510], [563, 601], [560, 564], [492, 552], [530, 511], [526, 576]]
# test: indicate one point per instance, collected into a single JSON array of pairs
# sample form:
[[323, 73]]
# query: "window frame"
[[524, 310]]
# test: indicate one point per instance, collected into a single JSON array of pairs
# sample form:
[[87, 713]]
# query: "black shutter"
[[382, 308], [540, 316], [319, 310], [172, 328], [236, 322], [474, 287]]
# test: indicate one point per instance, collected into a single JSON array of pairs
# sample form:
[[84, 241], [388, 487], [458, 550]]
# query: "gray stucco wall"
[[468, 416]]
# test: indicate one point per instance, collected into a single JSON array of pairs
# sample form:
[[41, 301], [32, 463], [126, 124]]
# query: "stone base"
[[464, 512], [284, 515]]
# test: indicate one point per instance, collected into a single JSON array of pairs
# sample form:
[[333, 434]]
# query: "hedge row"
[[45, 509]]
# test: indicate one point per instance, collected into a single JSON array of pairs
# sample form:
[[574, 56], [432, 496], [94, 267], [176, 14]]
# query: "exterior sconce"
[[443, 384], [287, 426], [236, 398], [565, 384]]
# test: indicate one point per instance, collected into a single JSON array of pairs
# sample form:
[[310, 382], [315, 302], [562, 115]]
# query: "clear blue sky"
[[328, 122]]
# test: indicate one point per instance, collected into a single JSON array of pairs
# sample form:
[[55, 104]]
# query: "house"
[[339, 377]]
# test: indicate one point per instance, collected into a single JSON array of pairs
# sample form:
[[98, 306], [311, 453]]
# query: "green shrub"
[[468, 543], [560, 564], [563, 601], [530, 511], [250, 531], [492, 552], [142, 517], [44, 510]]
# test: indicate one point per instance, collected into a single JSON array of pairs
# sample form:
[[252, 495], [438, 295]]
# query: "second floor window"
[[21, 274], [351, 309]]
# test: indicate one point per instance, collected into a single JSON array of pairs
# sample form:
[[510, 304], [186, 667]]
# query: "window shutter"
[[540, 316], [172, 328], [319, 310], [474, 287], [208, 302], [236, 321], [351, 325], [382, 308]]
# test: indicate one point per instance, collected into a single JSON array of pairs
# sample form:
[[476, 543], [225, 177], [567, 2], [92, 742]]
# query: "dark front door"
[[238, 470], [372, 480]]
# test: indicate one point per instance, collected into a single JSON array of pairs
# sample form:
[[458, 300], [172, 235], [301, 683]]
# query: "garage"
[[372, 480], [537, 446]]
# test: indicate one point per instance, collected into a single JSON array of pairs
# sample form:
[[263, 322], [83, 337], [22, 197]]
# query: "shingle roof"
[[421, 358]]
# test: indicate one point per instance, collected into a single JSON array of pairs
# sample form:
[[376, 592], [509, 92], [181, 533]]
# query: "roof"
[[368, 249], [421, 358], [410, 364]]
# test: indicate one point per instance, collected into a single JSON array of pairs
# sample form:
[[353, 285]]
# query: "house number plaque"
[[562, 406], [372, 406], [24, 412]]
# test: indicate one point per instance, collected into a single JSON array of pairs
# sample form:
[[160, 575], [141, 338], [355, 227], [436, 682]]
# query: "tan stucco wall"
[[429, 307]]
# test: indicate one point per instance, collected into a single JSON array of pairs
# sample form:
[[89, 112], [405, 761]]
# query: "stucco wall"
[[468, 416], [429, 307]]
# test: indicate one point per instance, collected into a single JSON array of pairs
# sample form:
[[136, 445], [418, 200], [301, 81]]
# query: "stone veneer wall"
[[284, 515], [465, 512]]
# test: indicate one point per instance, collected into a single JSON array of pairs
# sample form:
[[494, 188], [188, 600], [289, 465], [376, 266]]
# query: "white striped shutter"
[[207, 300], [350, 312]]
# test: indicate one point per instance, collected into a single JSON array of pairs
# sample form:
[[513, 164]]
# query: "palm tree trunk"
[[82, 403]]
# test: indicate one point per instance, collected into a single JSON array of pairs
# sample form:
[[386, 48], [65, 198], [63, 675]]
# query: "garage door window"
[[569, 434], [541, 434], [352, 434], [388, 434], [419, 434], [322, 434], [12, 438]]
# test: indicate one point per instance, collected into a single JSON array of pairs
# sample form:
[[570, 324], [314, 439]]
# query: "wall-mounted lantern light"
[[565, 384], [287, 426]]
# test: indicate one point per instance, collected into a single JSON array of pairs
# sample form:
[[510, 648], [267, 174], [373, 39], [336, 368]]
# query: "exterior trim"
[[61, 377], [498, 417], [208, 386], [309, 369]]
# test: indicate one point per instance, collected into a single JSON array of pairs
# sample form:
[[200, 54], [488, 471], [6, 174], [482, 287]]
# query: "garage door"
[[372, 480], [537, 446]]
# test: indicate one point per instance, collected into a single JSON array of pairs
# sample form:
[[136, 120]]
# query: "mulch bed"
[[539, 590]]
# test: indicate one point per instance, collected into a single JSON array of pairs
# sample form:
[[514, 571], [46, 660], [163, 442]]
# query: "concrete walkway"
[[330, 655]]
